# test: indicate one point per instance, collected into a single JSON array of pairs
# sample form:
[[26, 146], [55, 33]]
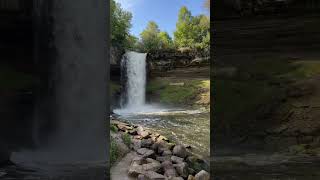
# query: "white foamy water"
[[134, 65]]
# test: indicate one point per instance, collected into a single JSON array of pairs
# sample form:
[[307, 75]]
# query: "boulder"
[[202, 175], [163, 158], [182, 169], [152, 167], [176, 178], [136, 144], [176, 159], [169, 170], [142, 132], [154, 176], [139, 160], [166, 153], [135, 169], [142, 177], [146, 143], [145, 152], [180, 151]]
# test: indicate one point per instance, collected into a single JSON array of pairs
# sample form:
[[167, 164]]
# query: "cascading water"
[[133, 66]]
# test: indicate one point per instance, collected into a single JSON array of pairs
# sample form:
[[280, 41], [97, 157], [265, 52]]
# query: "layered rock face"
[[245, 40], [240, 8]]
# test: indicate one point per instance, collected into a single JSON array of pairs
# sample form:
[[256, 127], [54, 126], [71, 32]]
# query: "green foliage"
[[120, 26], [154, 39], [192, 31], [184, 32], [150, 37], [126, 139], [114, 154], [165, 40], [113, 128]]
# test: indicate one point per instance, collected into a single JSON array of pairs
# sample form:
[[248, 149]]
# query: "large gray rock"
[[135, 169], [176, 159], [146, 152], [182, 169], [202, 175], [180, 150], [163, 158], [146, 143], [152, 165], [169, 170], [154, 176]]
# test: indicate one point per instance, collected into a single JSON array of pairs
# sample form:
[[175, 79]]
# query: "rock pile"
[[158, 158]]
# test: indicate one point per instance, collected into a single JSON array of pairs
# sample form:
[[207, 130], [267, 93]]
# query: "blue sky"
[[163, 12]]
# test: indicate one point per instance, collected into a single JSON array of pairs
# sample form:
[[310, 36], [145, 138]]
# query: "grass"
[[126, 139], [113, 128], [114, 154], [10, 79], [185, 94]]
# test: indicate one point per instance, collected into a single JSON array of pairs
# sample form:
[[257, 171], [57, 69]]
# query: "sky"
[[163, 12]]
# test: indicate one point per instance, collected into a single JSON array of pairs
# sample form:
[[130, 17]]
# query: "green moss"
[[114, 154], [10, 79], [126, 139]]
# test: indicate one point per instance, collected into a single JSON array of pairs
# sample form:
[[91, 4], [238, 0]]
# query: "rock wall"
[[161, 61], [242, 8]]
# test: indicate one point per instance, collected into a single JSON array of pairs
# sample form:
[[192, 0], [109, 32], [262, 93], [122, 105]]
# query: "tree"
[[150, 37], [120, 25], [165, 40], [132, 42], [192, 31], [184, 29]]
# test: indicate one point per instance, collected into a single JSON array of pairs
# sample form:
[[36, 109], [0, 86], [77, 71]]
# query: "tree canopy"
[[192, 31], [120, 25]]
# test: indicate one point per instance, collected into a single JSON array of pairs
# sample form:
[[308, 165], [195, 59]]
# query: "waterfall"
[[133, 67]]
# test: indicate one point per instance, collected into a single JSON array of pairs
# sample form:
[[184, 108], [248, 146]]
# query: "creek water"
[[189, 127]]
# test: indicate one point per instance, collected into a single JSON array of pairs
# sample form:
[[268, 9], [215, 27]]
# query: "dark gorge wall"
[[284, 32], [249, 8]]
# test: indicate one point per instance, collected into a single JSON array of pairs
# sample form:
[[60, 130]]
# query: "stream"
[[190, 127]]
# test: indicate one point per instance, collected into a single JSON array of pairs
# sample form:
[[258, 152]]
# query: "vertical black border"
[[211, 88], [106, 20]]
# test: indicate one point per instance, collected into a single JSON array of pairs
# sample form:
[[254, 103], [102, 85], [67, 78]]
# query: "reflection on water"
[[191, 127]]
